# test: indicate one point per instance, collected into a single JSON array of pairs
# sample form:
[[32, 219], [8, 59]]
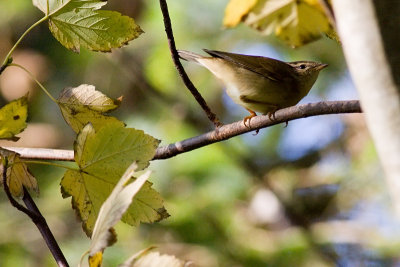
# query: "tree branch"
[[45, 231], [37, 218], [284, 115], [223, 133], [2, 68], [43, 153], [185, 78]]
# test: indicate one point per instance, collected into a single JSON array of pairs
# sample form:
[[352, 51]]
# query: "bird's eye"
[[302, 66]]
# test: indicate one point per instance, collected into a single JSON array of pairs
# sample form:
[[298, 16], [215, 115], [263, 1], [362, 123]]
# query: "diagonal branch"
[[37, 218], [223, 133], [284, 115], [175, 57], [45, 231]]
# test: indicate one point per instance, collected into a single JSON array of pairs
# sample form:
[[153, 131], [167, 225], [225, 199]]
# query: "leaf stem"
[[48, 163], [83, 257], [6, 61], [33, 78]]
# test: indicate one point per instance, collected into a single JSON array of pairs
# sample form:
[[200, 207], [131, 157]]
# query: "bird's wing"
[[256, 64]]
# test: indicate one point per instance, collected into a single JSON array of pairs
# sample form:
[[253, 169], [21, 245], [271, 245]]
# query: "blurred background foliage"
[[310, 194]]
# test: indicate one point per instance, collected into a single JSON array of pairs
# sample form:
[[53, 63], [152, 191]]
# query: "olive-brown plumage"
[[259, 83]]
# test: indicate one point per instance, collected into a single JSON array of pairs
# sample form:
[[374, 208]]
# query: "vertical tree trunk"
[[369, 31]]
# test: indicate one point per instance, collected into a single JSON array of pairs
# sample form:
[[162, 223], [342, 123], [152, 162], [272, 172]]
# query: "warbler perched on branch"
[[258, 83]]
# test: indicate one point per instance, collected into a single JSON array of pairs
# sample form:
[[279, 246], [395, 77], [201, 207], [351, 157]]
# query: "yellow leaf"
[[236, 10], [83, 104], [96, 259], [18, 175], [13, 118], [297, 22]]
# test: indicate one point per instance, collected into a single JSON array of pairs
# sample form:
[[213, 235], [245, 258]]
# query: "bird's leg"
[[271, 114], [248, 118]]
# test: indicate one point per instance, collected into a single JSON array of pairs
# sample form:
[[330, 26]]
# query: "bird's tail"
[[189, 56]]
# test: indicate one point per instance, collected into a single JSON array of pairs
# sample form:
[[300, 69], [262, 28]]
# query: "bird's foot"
[[248, 118], [271, 115]]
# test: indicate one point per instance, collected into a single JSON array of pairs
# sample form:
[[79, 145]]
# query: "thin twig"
[[223, 133], [34, 214], [43, 153], [175, 57], [2, 68], [44, 229]]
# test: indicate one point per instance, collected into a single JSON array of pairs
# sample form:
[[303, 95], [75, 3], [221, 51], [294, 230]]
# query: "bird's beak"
[[321, 66]]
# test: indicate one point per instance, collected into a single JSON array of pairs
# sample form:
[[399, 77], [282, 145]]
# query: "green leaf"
[[18, 174], [102, 157], [94, 30], [83, 104], [146, 207], [13, 118], [79, 23], [112, 210]]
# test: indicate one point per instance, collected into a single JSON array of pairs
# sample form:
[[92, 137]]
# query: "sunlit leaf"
[[95, 30], [129, 262], [18, 175], [103, 156], [83, 104], [154, 259], [113, 208], [13, 118], [297, 22], [57, 5], [87, 95], [236, 10], [79, 23]]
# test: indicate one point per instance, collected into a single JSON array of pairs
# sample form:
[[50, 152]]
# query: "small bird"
[[258, 83]]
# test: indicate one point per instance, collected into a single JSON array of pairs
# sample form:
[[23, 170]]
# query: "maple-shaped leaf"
[[18, 174], [102, 157], [154, 259], [296, 22], [111, 212], [13, 118], [83, 104], [79, 23]]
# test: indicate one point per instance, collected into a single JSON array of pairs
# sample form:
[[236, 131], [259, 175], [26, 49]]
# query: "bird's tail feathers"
[[189, 56]]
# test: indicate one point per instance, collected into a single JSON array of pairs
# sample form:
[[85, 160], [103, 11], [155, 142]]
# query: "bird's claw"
[[248, 118]]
